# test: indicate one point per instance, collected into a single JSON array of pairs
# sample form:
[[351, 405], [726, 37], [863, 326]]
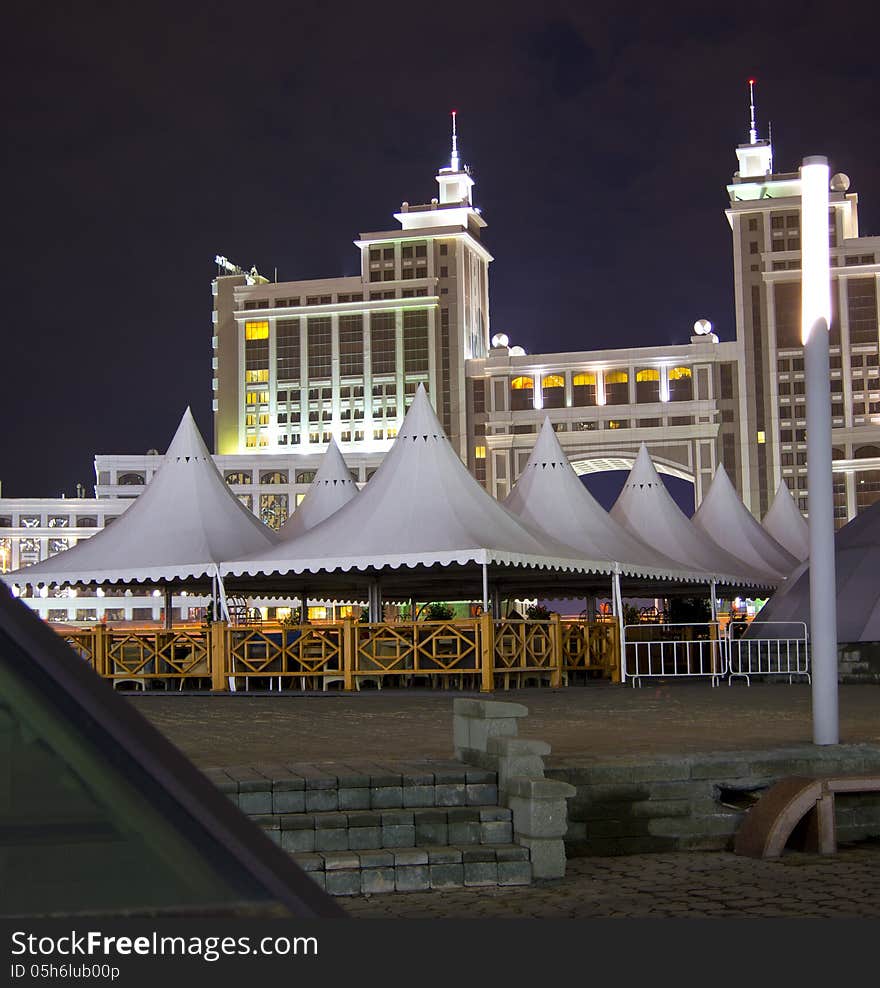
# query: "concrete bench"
[[769, 824]]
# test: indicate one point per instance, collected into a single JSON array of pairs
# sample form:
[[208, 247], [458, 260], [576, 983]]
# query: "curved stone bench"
[[769, 824]]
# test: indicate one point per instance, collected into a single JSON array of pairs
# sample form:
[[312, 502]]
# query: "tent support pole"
[[496, 602], [303, 606], [485, 588], [621, 627], [713, 601], [168, 600]]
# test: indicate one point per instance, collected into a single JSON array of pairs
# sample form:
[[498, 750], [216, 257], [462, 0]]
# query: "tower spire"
[[753, 130], [454, 160]]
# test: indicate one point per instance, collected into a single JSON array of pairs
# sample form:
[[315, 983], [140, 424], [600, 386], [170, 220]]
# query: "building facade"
[[296, 363]]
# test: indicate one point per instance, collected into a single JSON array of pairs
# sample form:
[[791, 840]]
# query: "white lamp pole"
[[816, 317]]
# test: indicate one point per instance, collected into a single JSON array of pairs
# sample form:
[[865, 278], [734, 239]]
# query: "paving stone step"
[[363, 830], [417, 869], [299, 788]]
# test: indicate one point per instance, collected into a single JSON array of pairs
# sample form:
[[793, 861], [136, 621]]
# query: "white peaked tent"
[[550, 497], [185, 522], [332, 487], [857, 563], [646, 508], [787, 525], [726, 520], [421, 509]]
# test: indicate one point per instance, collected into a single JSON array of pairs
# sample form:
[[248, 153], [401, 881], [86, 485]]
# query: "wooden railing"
[[476, 653]]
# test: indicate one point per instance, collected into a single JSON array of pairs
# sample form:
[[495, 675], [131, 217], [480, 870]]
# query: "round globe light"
[[517, 351], [702, 327], [500, 339]]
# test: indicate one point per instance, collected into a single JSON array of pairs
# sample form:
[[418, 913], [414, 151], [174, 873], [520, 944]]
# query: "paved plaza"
[[587, 725]]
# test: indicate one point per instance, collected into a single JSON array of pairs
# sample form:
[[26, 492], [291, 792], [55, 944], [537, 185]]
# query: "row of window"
[[615, 387]]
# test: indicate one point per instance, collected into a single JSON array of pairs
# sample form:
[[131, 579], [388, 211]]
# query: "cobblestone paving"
[[696, 885], [580, 723]]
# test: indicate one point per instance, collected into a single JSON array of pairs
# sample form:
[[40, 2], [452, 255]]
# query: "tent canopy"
[[726, 520], [550, 497], [646, 508], [186, 522], [857, 563], [422, 508], [332, 487], [787, 525]]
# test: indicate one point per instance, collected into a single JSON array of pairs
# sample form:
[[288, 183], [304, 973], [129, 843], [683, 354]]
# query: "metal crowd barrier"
[[769, 655], [673, 651]]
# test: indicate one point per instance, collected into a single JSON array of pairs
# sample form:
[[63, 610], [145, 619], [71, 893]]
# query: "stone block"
[[340, 861], [443, 855], [418, 795], [410, 856], [514, 873], [309, 862], [344, 882], [539, 817], [352, 778], [481, 794], [364, 838], [546, 855], [397, 818], [450, 775], [386, 797], [497, 832], [319, 878], [488, 709], [253, 803], [540, 788], [432, 833], [376, 859], [403, 836], [365, 818], [513, 747], [480, 731], [266, 821], [660, 808], [297, 841], [321, 800], [511, 852], [377, 880], [476, 776], [481, 873], [446, 876], [385, 778], [467, 832], [288, 801], [412, 878], [354, 799], [461, 735], [335, 839], [453, 794], [330, 821], [478, 852], [463, 814], [493, 814]]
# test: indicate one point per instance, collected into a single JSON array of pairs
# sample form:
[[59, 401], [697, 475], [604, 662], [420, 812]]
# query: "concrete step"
[[417, 869], [364, 830], [302, 788]]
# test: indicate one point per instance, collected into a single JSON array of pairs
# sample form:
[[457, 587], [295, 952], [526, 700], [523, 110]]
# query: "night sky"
[[141, 141]]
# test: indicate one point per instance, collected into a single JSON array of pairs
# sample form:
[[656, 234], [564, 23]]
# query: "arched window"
[[866, 452], [130, 479], [583, 389], [273, 477], [648, 384], [681, 384], [522, 393], [617, 387], [235, 477], [553, 390], [305, 476]]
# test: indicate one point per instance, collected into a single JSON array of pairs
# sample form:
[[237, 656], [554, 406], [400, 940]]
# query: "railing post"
[[349, 645], [100, 650], [219, 634], [486, 633], [617, 647], [555, 651]]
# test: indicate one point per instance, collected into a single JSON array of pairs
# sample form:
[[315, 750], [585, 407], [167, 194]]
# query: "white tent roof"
[[185, 522], [727, 521], [857, 563], [550, 497], [646, 508], [420, 508], [332, 487], [786, 524]]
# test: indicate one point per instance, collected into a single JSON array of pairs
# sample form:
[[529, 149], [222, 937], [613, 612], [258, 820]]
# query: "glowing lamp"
[[815, 262]]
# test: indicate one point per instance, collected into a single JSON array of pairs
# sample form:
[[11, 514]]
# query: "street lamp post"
[[816, 316]]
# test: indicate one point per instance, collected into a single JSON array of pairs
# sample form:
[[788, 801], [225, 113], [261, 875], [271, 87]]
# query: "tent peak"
[[188, 445]]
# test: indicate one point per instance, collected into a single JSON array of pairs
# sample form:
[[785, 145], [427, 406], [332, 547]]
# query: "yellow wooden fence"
[[476, 653]]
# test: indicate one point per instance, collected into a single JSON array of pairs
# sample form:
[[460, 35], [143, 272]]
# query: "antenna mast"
[[753, 131], [453, 161]]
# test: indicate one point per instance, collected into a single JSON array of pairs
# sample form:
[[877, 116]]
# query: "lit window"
[[257, 377], [522, 383], [256, 330], [762, 438], [264, 418], [480, 452], [250, 441], [584, 380], [679, 373]]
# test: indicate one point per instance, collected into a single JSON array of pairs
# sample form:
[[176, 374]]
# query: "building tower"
[[764, 217], [296, 363]]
